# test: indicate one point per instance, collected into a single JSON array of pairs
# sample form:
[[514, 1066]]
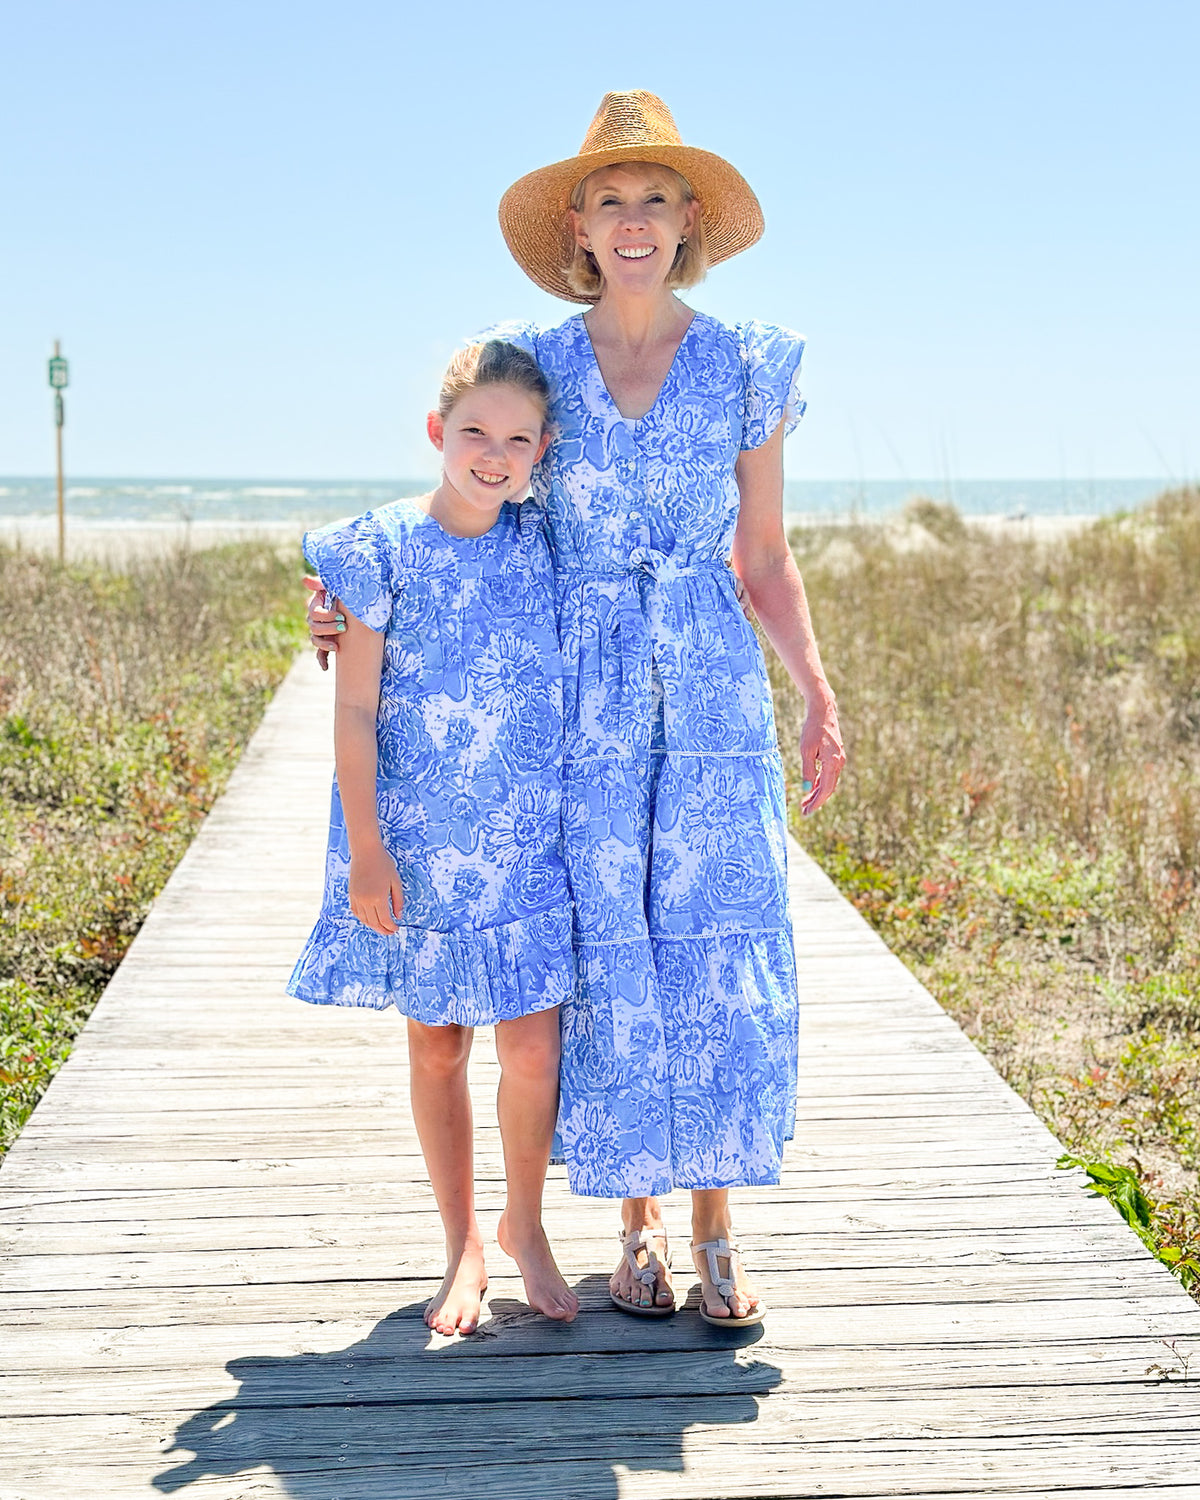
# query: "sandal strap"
[[715, 1251], [632, 1241]]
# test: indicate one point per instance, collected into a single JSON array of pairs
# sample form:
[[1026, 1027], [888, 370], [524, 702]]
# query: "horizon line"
[[942, 480]]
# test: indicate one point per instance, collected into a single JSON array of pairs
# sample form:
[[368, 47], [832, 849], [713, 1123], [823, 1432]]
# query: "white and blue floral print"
[[469, 788], [680, 1043]]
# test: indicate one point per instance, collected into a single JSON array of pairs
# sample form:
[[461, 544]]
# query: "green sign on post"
[[58, 372]]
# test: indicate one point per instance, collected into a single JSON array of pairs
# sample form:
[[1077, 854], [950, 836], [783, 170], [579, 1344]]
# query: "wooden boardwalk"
[[219, 1240]]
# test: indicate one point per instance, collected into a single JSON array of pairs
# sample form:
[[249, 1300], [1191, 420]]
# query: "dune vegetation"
[[1020, 815], [126, 697]]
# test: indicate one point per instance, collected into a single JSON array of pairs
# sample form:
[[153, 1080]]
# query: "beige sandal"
[[632, 1242], [715, 1251]]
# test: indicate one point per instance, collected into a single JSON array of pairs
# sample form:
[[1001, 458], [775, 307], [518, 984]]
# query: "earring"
[[683, 239]]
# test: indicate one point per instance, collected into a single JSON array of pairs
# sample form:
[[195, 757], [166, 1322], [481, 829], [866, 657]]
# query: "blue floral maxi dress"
[[680, 1044], [469, 785]]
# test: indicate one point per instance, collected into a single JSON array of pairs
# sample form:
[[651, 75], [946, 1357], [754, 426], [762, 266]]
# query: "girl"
[[445, 888]]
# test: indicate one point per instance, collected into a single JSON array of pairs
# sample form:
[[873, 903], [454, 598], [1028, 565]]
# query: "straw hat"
[[629, 126]]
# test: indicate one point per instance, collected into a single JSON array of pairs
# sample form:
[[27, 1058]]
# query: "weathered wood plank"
[[135, 1369], [493, 1430], [923, 1213], [859, 1322], [369, 1196], [521, 1449]]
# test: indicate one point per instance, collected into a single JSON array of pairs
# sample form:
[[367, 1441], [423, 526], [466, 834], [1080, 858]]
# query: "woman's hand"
[[821, 754], [376, 894], [765, 563], [324, 624]]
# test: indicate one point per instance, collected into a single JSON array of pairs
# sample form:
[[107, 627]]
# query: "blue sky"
[[260, 228]]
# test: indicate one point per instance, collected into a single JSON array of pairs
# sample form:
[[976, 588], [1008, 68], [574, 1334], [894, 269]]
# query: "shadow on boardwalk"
[[392, 1418]]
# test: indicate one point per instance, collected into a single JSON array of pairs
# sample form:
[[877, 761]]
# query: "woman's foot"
[[455, 1308], [726, 1295], [643, 1222], [545, 1289], [647, 1268]]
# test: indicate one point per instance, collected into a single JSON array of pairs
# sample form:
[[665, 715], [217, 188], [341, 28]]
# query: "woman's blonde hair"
[[690, 265], [493, 363]]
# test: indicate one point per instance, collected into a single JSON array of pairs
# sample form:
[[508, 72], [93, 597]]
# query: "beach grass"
[[126, 697], [1020, 813]]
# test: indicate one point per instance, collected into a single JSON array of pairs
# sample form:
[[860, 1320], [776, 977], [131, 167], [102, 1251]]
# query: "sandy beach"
[[116, 541]]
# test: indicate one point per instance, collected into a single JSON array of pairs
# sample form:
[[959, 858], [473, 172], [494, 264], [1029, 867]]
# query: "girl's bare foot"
[[455, 1308], [641, 1215], [545, 1288]]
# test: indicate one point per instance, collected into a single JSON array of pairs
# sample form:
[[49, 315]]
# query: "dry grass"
[[1020, 817], [125, 700]]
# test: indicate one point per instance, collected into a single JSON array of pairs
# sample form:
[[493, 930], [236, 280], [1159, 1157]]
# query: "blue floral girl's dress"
[[470, 773], [680, 1045]]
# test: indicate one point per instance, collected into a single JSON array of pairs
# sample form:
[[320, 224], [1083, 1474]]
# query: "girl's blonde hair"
[[493, 363], [690, 265]]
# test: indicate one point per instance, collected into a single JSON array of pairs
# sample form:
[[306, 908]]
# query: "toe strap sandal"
[[633, 1243], [716, 1251]]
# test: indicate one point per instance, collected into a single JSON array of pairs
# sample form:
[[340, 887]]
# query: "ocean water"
[[315, 501]]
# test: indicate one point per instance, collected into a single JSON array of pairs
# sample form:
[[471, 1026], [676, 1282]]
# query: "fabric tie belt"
[[641, 629]]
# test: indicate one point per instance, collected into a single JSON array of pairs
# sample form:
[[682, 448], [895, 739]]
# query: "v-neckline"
[[666, 378]]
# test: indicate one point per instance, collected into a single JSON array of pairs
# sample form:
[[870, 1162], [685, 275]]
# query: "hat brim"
[[534, 222]]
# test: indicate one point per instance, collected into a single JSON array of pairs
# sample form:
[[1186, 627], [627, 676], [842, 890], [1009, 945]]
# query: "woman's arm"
[[376, 895], [764, 562]]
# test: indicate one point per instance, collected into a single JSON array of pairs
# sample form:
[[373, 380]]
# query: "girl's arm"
[[764, 562], [376, 894]]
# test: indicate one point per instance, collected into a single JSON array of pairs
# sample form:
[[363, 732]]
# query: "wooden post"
[[58, 381]]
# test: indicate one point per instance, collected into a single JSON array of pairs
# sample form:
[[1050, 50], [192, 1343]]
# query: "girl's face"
[[632, 220], [489, 443]]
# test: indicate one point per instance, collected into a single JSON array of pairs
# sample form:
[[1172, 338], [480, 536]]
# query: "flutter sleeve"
[[771, 369], [523, 335], [353, 559]]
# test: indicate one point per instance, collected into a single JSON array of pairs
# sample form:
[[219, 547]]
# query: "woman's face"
[[632, 220]]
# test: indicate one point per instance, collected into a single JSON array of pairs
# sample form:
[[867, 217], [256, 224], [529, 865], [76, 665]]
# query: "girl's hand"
[[376, 894], [324, 624], [821, 754]]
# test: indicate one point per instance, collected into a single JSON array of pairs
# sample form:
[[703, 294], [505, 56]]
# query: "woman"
[[679, 1047]]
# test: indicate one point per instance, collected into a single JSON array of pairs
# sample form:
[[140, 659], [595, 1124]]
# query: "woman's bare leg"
[[645, 1216], [710, 1221], [527, 1103], [441, 1106]]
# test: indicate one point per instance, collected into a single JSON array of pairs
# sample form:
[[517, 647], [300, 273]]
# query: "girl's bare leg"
[[645, 1216], [527, 1103], [441, 1107], [710, 1221]]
